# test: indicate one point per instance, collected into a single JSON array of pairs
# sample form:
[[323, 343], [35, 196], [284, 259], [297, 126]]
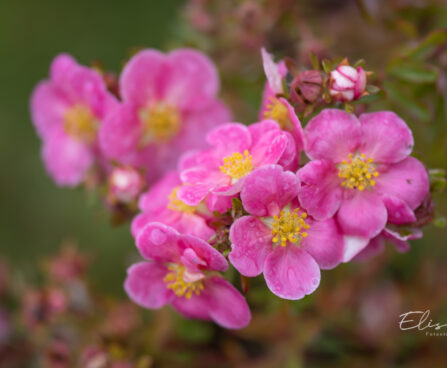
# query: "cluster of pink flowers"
[[357, 187]]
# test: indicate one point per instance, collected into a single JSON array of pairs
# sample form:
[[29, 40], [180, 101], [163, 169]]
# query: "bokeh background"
[[352, 318]]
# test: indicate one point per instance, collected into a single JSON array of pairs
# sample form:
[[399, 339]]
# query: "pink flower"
[[347, 83], [279, 239], [161, 204], [237, 150], [124, 184], [182, 270], [377, 244], [361, 172], [169, 103], [67, 111], [276, 107]]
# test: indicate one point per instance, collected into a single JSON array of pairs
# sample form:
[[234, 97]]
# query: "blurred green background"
[[36, 216]]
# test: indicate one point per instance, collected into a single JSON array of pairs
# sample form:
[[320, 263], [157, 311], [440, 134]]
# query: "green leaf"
[[397, 94], [314, 60], [428, 46], [413, 72], [327, 65]]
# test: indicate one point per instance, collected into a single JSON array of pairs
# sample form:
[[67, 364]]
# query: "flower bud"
[[347, 83], [125, 184]]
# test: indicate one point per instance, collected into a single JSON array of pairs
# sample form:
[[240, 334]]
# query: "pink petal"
[[145, 286], [291, 272], [362, 214], [297, 129], [48, 107], [375, 247], [214, 260], [191, 79], [386, 137], [353, 246], [218, 203], [401, 241], [156, 198], [251, 241], [267, 190], [272, 72], [324, 243], [398, 211], [406, 180], [229, 138], [196, 124], [60, 68], [192, 195], [66, 159], [159, 242], [142, 78], [332, 135], [120, 133], [270, 148], [197, 307], [228, 307], [320, 190]]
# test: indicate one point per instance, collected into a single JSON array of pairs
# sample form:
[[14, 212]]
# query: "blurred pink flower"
[[279, 239], [361, 172], [182, 270], [347, 83], [169, 103], [161, 204], [236, 151], [67, 111], [125, 184]]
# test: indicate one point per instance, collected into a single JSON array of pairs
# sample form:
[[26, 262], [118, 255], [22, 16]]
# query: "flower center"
[[161, 123], [358, 172], [80, 123], [277, 111], [289, 226], [175, 204], [237, 165], [175, 280]]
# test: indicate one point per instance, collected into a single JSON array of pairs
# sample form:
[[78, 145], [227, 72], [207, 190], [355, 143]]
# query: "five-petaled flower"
[[168, 102], [279, 239], [183, 270], [361, 172], [67, 111], [236, 151]]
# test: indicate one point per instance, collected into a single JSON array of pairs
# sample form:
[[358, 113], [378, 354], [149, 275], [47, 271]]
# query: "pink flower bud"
[[347, 83], [125, 184]]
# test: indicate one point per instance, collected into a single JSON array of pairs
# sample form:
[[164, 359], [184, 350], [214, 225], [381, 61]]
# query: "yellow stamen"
[[175, 281], [175, 204], [161, 123], [277, 111], [80, 123], [237, 165], [357, 172], [289, 226]]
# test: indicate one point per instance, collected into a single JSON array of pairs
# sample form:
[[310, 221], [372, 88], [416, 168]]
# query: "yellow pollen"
[[289, 226], [237, 165], [277, 111], [175, 204], [358, 172], [80, 123], [175, 281], [161, 123]]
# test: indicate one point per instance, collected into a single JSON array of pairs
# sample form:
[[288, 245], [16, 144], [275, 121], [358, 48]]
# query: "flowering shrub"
[[213, 192]]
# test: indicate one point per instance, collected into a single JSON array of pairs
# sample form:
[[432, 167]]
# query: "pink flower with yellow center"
[[161, 204], [279, 239], [183, 271], [67, 111], [169, 101], [236, 151], [361, 172]]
